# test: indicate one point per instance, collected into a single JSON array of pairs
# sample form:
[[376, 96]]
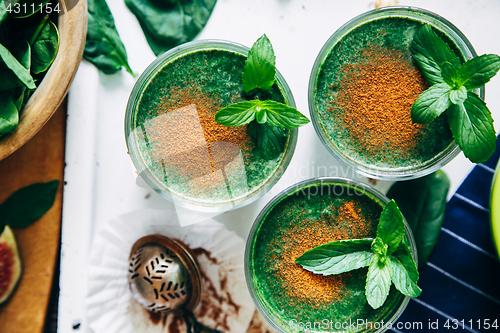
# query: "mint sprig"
[[271, 112], [266, 119], [451, 91], [260, 66], [387, 257]]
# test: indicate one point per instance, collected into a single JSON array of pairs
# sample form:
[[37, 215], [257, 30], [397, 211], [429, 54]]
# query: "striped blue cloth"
[[461, 282]]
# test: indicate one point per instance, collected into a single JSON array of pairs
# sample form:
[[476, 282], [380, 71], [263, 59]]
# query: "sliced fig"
[[10, 264]]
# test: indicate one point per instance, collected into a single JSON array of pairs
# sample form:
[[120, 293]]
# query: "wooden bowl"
[[48, 96]]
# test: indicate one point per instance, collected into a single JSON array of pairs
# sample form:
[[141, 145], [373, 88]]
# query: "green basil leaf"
[[337, 257], [472, 128], [103, 46], [237, 114], [449, 73], [431, 103], [2, 227], [260, 66], [9, 113], [458, 96], [378, 282], [44, 48], [281, 115], [404, 272], [391, 226], [269, 140], [167, 24], [478, 71], [431, 52], [423, 202], [17, 68], [28, 204], [379, 247]]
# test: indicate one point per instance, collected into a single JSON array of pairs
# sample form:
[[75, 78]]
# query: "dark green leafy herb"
[[44, 46], [9, 79], [15, 66], [169, 23], [260, 66], [274, 113], [378, 281], [9, 113], [388, 258], [451, 92], [28, 204], [270, 117], [104, 47], [423, 203], [472, 127], [268, 138]]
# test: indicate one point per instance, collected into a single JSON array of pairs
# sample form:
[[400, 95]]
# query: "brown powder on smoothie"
[[189, 143], [345, 222], [376, 96]]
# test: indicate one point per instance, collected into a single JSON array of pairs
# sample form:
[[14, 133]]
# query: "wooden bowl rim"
[[49, 95]]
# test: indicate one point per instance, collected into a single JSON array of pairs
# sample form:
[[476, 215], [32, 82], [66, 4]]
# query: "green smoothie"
[[188, 154], [363, 93], [296, 299]]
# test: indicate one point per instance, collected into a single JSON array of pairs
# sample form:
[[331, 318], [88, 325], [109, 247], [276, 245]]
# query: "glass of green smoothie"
[[174, 142], [362, 87], [303, 216]]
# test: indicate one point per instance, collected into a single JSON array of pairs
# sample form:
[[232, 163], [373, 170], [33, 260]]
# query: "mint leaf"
[[391, 227], [237, 114], [379, 247], [431, 52], [260, 67], [478, 71], [28, 204], [449, 73], [458, 96], [274, 113], [337, 257], [423, 203], [431, 103], [404, 272], [270, 140], [281, 115], [472, 128], [378, 282]]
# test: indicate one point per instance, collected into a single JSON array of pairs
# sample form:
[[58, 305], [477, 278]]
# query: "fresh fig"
[[10, 264]]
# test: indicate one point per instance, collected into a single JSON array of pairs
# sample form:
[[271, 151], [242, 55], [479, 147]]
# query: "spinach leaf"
[[423, 202], [104, 47], [269, 139], [9, 113], [15, 70], [44, 48], [29, 203], [167, 24]]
